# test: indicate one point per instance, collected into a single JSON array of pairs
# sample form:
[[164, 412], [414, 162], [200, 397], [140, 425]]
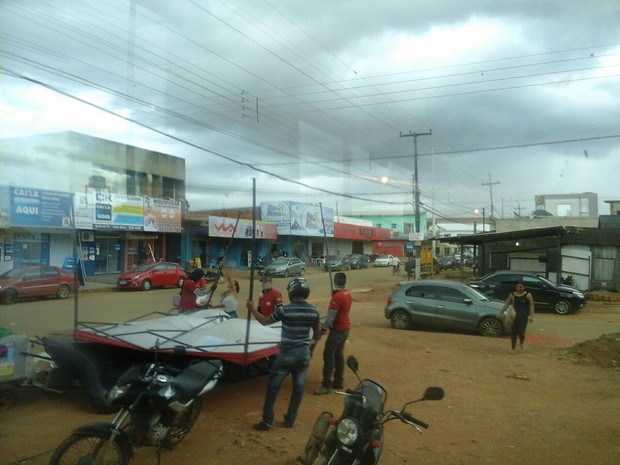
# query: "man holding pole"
[[339, 325]]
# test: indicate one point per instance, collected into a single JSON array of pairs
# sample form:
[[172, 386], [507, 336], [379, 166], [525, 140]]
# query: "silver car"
[[286, 267], [443, 304]]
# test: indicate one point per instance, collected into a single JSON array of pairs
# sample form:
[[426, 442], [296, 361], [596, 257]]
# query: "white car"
[[383, 260]]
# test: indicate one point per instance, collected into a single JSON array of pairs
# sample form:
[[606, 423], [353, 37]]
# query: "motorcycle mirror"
[[433, 393], [352, 363]]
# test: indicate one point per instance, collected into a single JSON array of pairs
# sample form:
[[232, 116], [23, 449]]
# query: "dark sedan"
[[337, 263], [358, 261], [547, 295], [35, 281]]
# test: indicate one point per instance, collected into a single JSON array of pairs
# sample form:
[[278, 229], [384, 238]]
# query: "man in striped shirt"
[[296, 346]]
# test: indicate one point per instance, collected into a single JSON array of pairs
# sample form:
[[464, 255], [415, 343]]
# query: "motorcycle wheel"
[[183, 425], [316, 439], [79, 449]]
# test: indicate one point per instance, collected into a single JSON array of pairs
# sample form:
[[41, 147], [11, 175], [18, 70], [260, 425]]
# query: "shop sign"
[[41, 208], [120, 212], [299, 219], [224, 227], [162, 215]]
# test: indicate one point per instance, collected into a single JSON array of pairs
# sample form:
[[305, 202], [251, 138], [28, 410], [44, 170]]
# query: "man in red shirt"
[[339, 324], [269, 298]]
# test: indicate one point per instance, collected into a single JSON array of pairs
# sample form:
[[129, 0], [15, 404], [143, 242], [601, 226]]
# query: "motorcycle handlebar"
[[408, 418]]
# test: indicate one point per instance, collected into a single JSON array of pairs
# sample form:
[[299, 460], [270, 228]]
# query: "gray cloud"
[[300, 95]]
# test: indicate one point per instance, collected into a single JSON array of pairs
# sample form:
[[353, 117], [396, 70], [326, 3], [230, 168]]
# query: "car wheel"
[[286, 273], [302, 271], [562, 307], [147, 285], [63, 292], [400, 319], [8, 297], [491, 327]]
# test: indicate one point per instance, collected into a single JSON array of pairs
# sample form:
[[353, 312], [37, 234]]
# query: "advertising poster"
[[40, 208], [162, 215], [115, 211], [278, 213], [83, 205], [307, 220], [223, 227], [299, 219]]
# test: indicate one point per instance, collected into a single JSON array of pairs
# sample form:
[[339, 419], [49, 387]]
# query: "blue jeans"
[[294, 361]]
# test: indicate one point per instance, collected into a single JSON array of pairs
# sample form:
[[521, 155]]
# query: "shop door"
[[108, 255]]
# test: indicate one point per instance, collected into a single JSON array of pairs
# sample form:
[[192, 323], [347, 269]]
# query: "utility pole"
[[518, 209], [490, 184], [416, 182]]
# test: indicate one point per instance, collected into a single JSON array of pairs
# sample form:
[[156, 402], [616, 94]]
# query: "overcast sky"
[[312, 99]]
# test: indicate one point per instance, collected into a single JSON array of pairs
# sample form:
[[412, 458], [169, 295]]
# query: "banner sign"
[[115, 211], [162, 215], [40, 208], [224, 227], [299, 219]]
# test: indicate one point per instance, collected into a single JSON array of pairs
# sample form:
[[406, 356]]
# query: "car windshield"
[[14, 273], [144, 267], [280, 261]]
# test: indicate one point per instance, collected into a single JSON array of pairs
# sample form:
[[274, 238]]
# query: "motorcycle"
[[356, 438], [159, 405]]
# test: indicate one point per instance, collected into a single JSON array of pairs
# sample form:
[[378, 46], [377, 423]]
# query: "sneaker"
[[322, 391], [262, 426], [287, 423]]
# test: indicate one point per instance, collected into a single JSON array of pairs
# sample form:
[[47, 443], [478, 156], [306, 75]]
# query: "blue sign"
[[41, 208]]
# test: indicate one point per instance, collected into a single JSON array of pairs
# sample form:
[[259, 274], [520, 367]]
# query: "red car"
[[152, 275], [35, 281]]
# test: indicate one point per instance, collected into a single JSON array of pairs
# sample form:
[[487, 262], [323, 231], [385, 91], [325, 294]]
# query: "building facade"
[[66, 194]]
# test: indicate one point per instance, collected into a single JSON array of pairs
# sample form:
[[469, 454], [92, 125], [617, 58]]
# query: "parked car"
[[443, 304], [383, 260], [447, 263], [285, 266], [560, 298], [468, 260], [35, 281], [358, 261], [150, 275], [337, 263]]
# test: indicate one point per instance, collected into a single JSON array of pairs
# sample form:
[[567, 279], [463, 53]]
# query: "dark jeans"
[[294, 361], [333, 358], [518, 329]]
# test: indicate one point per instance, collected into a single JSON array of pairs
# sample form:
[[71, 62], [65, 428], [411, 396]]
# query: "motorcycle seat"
[[194, 378]]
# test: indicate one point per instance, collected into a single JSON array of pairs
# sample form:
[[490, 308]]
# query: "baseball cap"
[[265, 279]]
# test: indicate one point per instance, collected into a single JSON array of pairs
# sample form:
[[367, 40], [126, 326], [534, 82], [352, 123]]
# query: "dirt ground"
[[558, 401]]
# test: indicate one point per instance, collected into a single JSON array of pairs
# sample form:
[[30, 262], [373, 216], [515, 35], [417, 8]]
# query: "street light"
[[483, 216]]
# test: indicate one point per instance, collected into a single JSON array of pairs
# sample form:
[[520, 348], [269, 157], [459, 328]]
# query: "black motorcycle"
[[356, 438], [158, 407]]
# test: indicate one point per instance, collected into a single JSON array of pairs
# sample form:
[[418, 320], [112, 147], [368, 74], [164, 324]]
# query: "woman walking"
[[523, 303]]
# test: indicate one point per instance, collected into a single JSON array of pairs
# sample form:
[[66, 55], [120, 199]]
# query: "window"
[[425, 292], [529, 281], [451, 295]]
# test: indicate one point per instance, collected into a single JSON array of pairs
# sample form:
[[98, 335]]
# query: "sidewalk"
[[100, 282]]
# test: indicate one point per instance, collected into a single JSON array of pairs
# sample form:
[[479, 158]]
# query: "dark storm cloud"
[[318, 93]]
